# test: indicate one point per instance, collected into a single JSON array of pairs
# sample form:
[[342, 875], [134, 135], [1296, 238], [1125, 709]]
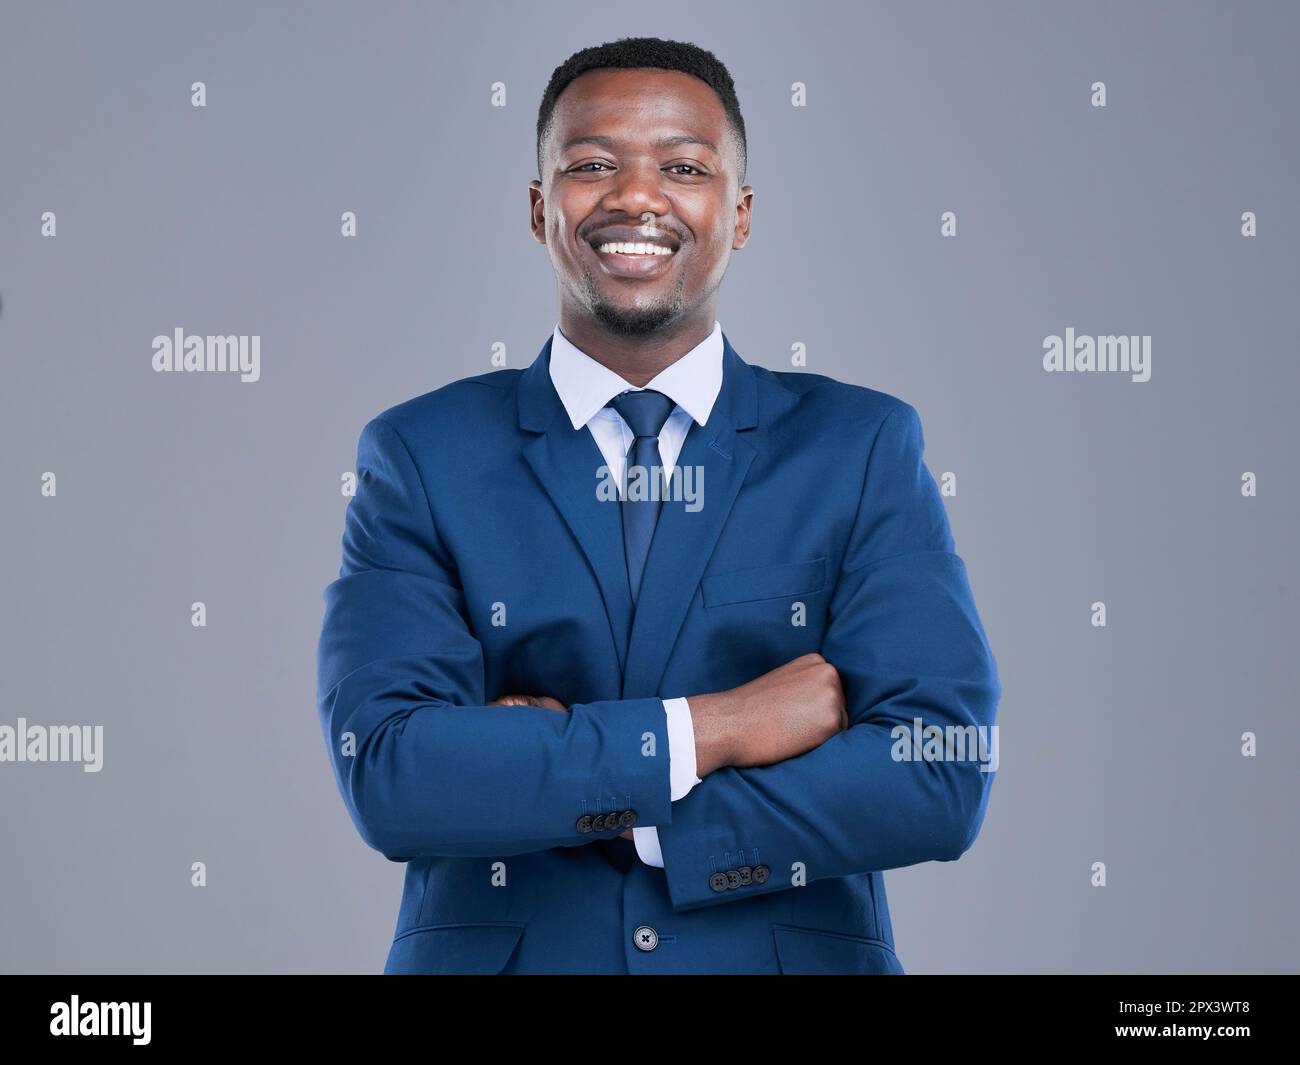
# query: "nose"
[[638, 190]]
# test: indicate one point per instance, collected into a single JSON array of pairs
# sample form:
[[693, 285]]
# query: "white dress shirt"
[[693, 383]]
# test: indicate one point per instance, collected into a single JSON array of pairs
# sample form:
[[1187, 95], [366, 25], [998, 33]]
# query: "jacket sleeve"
[[424, 767], [911, 652]]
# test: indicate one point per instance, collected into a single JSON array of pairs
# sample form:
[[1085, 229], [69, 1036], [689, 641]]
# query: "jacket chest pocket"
[[785, 580]]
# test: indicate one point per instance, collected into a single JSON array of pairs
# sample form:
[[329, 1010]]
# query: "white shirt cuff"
[[647, 846], [681, 775], [681, 748]]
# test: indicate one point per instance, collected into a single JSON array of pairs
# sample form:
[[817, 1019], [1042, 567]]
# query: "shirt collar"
[[585, 386]]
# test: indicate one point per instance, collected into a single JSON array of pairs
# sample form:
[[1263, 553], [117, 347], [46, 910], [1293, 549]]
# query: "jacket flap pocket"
[[764, 582], [468, 949], [807, 951]]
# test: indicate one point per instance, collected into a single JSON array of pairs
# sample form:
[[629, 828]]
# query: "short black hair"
[[633, 52]]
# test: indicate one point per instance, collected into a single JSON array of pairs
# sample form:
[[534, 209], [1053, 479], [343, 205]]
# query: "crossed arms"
[[797, 764]]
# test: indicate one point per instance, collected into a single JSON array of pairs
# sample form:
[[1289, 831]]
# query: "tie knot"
[[645, 411]]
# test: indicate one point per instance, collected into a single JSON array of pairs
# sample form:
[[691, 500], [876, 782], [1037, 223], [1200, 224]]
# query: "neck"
[[638, 360]]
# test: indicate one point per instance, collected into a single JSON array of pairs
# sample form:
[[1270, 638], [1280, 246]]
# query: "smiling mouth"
[[628, 259], [622, 247]]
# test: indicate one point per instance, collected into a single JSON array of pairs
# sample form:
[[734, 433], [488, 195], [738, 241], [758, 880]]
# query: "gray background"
[[1118, 745]]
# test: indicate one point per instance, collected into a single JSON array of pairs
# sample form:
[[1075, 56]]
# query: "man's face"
[[594, 193]]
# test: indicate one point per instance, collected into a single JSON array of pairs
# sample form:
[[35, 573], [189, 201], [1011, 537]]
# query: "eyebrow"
[[663, 142]]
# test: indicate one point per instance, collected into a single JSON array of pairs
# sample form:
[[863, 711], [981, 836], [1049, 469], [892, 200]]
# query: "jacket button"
[[733, 879], [584, 823], [598, 823], [645, 938], [761, 873], [718, 882], [746, 875], [627, 819]]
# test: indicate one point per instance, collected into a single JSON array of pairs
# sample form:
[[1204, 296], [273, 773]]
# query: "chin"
[[633, 321]]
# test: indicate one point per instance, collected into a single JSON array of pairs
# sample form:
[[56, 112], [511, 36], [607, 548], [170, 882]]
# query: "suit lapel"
[[566, 461]]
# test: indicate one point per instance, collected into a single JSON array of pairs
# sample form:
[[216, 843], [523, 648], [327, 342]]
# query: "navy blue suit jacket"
[[478, 560]]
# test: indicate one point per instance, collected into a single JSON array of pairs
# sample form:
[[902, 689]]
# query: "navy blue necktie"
[[645, 413]]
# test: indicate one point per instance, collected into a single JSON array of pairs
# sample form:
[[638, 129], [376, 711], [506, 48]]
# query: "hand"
[[529, 700], [782, 714]]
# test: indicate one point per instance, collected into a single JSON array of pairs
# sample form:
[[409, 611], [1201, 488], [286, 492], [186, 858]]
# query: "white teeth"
[[634, 249]]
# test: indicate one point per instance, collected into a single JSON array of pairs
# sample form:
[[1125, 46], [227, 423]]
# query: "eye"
[[584, 166], [688, 167]]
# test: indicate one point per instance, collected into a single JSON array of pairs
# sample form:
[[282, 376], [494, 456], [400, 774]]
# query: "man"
[[623, 643]]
